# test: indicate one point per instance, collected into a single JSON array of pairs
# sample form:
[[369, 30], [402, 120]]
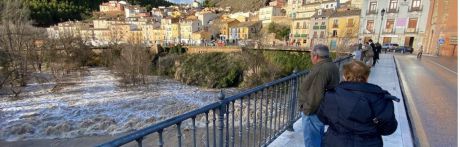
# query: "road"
[[431, 92]]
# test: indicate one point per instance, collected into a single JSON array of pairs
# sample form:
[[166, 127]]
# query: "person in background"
[[377, 50], [323, 75], [357, 53], [420, 52], [358, 113]]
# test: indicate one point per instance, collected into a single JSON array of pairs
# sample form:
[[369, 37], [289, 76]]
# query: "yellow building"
[[245, 30], [343, 28], [158, 36], [300, 31], [175, 33], [134, 36], [224, 27], [171, 28], [199, 37], [187, 27], [119, 32], [102, 35]]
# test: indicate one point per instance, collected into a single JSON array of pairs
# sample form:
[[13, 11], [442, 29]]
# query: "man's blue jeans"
[[313, 130]]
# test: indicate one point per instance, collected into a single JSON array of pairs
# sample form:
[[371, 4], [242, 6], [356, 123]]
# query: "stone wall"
[[209, 49]]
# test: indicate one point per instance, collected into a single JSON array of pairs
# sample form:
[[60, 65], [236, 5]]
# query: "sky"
[[181, 1]]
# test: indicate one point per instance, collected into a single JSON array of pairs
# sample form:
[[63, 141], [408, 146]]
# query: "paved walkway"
[[383, 74]]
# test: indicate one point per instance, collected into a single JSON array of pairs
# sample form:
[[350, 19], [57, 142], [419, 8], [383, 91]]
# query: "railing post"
[[221, 119], [292, 103]]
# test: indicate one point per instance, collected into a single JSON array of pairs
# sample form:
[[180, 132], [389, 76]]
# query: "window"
[[373, 6], [389, 25], [304, 25], [298, 25], [416, 3], [336, 23], [393, 4], [327, 6], [315, 34], [323, 23], [370, 25], [321, 34], [412, 23], [334, 33], [316, 23], [350, 23]]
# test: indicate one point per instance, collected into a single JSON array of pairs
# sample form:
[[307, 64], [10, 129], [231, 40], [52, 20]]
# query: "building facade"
[[318, 30], [442, 25], [266, 14], [187, 27], [403, 22], [343, 27]]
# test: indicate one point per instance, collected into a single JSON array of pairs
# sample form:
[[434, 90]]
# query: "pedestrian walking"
[[358, 113], [367, 55], [324, 75], [357, 53], [420, 52], [377, 50]]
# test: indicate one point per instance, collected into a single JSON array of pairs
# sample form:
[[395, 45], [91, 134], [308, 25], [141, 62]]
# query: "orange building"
[[441, 29]]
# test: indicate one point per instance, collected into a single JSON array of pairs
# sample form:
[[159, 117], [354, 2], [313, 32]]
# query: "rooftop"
[[341, 13]]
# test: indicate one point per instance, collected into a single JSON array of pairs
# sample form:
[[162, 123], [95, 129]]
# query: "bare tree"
[[16, 42], [347, 39], [133, 64]]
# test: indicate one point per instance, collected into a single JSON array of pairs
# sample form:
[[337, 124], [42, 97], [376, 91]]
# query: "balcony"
[[335, 26], [389, 31], [415, 9], [303, 35], [322, 27], [315, 27], [297, 35], [393, 10], [371, 12], [411, 31]]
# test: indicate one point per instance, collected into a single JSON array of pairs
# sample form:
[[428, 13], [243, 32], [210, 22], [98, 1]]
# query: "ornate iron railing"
[[254, 117]]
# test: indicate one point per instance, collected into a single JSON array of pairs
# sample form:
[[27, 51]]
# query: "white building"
[[205, 17], [133, 11], [330, 5], [266, 14], [404, 21], [195, 4]]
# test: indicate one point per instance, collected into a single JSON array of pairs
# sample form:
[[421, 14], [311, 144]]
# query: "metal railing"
[[258, 116]]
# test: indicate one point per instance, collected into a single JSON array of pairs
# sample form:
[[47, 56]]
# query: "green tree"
[[281, 31]]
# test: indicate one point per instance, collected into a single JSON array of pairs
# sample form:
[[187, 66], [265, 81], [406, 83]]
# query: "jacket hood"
[[363, 87]]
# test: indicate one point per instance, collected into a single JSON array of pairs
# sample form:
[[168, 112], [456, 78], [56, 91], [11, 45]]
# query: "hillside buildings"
[[336, 23]]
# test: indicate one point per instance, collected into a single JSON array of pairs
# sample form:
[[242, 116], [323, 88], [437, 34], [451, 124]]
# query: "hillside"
[[241, 5], [48, 12]]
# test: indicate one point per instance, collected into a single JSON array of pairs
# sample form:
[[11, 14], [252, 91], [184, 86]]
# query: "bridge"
[[255, 117]]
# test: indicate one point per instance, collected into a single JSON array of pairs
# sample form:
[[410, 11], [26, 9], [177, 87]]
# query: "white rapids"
[[94, 104]]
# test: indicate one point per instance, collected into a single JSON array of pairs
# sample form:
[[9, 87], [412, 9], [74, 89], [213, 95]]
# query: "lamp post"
[[382, 13]]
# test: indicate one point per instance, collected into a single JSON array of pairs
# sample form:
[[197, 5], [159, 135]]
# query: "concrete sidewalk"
[[383, 74]]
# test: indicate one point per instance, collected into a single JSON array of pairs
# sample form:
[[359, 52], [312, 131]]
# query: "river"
[[94, 104]]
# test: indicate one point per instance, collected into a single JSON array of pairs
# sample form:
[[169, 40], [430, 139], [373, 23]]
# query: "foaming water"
[[94, 104]]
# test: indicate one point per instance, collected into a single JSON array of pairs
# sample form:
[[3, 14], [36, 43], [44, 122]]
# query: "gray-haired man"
[[324, 75]]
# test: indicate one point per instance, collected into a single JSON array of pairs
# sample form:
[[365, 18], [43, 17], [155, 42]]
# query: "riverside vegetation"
[[220, 70]]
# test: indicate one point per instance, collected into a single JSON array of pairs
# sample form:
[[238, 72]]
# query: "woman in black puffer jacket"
[[358, 113]]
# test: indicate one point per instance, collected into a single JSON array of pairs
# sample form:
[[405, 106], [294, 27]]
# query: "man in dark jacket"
[[377, 50], [358, 113], [324, 75]]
